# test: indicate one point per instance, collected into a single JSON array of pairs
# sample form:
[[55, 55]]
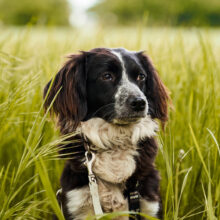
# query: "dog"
[[113, 98]]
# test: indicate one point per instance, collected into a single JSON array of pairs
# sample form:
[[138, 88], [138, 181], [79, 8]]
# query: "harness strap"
[[93, 186], [134, 203]]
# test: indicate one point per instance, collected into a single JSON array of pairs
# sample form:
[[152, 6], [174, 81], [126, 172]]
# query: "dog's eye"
[[141, 77], [107, 77]]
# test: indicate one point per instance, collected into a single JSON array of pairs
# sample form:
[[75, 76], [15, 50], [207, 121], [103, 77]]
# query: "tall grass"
[[189, 155]]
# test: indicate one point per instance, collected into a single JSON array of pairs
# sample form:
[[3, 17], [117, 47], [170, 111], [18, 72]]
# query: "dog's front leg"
[[150, 201]]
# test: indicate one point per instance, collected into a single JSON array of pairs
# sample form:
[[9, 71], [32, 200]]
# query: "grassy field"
[[189, 156]]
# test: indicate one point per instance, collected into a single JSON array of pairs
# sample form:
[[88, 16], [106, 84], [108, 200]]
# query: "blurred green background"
[[161, 12], [183, 40], [43, 12], [111, 12]]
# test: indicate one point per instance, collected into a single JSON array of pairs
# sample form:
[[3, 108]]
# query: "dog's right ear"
[[66, 93], [156, 92]]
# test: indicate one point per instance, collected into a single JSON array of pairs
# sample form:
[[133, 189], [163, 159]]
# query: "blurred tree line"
[[160, 12], [43, 12]]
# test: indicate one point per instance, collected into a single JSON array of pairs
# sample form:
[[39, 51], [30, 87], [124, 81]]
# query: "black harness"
[[134, 203]]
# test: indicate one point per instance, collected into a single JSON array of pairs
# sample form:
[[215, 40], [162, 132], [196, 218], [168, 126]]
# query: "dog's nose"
[[137, 103]]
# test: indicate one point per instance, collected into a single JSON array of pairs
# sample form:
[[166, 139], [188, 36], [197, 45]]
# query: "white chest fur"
[[106, 136], [116, 147]]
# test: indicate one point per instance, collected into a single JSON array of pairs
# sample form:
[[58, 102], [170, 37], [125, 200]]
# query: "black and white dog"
[[112, 97]]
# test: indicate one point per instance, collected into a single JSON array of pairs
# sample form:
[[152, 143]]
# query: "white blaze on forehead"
[[124, 76]]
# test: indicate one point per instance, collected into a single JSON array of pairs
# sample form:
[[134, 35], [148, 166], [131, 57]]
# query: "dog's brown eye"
[[107, 77], [141, 77]]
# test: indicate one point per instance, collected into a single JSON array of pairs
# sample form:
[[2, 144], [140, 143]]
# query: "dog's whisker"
[[101, 108]]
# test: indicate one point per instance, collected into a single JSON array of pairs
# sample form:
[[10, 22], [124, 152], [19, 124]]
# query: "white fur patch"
[[122, 63], [115, 166], [116, 146], [107, 136], [150, 208], [79, 203]]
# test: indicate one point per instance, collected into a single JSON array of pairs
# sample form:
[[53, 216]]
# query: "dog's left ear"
[[156, 92], [67, 91]]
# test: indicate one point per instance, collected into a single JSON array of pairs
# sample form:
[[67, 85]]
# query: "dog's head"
[[116, 85]]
